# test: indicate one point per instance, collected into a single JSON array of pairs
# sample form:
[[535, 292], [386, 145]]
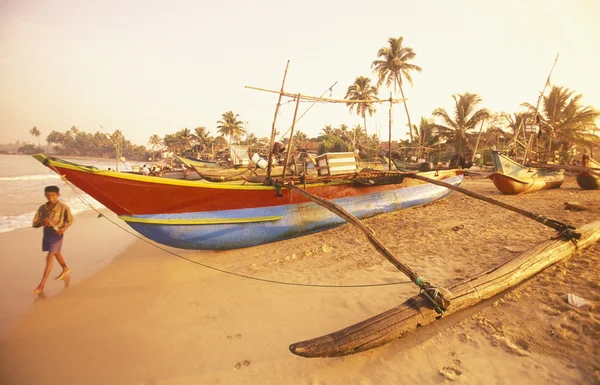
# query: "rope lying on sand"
[[85, 202]]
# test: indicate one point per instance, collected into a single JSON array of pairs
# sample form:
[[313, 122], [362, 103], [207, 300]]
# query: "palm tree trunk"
[[366, 132], [407, 114]]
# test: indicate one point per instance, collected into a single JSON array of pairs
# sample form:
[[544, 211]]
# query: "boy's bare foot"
[[37, 290], [64, 273]]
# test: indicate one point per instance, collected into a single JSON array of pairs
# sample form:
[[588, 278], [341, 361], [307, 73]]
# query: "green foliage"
[[362, 90], [80, 143], [30, 149], [464, 118], [332, 143], [230, 126], [393, 66], [565, 118]]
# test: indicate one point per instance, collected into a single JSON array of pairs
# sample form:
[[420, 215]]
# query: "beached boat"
[[589, 179], [191, 162], [511, 177], [204, 215]]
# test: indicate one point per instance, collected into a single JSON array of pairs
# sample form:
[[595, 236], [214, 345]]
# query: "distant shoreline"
[[78, 157]]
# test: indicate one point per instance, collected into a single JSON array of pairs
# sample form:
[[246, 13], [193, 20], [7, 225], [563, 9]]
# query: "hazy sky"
[[154, 67]]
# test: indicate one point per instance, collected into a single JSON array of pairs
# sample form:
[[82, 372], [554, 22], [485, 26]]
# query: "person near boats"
[[56, 218]]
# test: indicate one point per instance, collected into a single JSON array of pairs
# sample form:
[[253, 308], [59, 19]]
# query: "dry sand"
[[151, 318]]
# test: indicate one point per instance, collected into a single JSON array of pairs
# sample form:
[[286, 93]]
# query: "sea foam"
[[30, 177]]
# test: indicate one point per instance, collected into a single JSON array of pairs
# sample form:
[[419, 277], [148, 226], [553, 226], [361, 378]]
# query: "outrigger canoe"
[[192, 163], [218, 216], [511, 177], [590, 179]]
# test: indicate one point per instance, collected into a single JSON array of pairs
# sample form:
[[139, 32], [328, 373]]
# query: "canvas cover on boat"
[[239, 155]]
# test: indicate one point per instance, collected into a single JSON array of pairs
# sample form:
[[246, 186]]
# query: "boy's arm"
[[37, 219], [69, 219]]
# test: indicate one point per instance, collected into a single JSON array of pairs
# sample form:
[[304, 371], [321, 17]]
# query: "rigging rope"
[[85, 202]]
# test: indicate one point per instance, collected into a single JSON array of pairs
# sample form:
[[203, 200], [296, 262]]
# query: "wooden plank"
[[325, 100], [417, 311]]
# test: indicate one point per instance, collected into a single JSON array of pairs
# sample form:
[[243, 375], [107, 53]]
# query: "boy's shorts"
[[51, 242]]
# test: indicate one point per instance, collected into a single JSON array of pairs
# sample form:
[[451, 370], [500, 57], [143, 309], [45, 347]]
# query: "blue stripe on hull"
[[298, 219]]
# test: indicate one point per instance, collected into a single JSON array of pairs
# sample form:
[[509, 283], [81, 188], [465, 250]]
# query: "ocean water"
[[22, 182]]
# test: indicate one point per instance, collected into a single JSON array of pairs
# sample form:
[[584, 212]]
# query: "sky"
[[155, 67]]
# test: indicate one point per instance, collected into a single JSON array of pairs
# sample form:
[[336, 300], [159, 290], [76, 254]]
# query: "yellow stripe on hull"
[[198, 221]]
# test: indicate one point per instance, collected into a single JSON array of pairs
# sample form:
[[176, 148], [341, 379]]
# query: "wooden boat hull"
[[510, 185], [232, 229], [588, 181], [205, 215], [191, 163], [511, 178]]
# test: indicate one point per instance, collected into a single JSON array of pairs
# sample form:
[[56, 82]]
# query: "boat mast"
[[390, 135], [289, 149], [537, 106], [272, 141]]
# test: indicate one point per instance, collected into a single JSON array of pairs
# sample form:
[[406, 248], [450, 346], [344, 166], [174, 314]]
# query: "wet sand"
[[151, 318]]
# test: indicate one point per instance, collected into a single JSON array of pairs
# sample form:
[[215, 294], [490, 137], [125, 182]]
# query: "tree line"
[[562, 118]]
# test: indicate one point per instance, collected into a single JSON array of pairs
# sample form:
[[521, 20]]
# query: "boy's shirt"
[[60, 215]]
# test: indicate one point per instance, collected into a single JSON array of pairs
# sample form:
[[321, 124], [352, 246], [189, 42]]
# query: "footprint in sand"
[[450, 372], [238, 335], [238, 365]]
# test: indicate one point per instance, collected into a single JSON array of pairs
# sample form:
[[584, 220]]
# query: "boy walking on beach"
[[56, 218]]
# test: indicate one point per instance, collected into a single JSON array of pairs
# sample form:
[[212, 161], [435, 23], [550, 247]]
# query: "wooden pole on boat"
[[433, 293], [390, 135], [537, 107], [289, 150], [272, 141], [558, 226], [477, 143], [415, 312]]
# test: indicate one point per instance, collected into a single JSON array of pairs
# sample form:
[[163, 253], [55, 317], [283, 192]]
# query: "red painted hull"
[[134, 195]]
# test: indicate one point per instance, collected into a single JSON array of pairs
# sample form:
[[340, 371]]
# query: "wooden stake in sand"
[[417, 311]]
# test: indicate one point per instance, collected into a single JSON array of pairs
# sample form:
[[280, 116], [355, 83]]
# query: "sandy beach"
[[148, 317]]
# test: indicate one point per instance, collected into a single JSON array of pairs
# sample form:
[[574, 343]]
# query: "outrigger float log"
[[418, 311], [433, 302]]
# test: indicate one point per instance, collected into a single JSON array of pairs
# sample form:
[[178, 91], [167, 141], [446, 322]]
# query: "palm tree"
[[563, 115], [465, 118], [300, 136], [185, 138], [230, 125], [393, 66], [154, 141], [251, 139], [327, 130], [203, 137], [516, 120], [36, 133], [427, 133], [358, 132], [362, 90], [344, 133]]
